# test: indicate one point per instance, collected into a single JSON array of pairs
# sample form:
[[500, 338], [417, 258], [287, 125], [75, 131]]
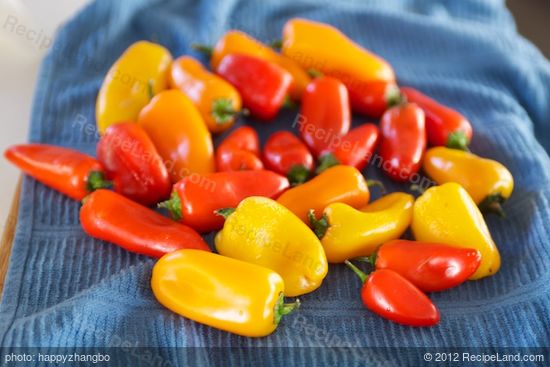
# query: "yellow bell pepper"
[[221, 292], [142, 70], [346, 232], [263, 232], [324, 48], [488, 182], [447, 214]]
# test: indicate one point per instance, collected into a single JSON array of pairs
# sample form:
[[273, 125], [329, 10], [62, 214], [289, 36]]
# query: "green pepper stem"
[[394, 97], [371, 259], [96, 180], [276, 44], [417, 188], [151, 88], [319, 226], [173, 205], [224, 212], [357, 271], [314, 73], [223, 111], [371, 183], [493, 204], [297, 174], [207, 50], [325, 162], [282, 308], [458, 140], [288, 102]]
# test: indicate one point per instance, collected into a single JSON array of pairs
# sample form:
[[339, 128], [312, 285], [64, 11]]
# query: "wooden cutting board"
[[7, 236]]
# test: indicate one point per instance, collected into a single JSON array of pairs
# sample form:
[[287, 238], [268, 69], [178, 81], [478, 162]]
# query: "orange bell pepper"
[[179, 133]]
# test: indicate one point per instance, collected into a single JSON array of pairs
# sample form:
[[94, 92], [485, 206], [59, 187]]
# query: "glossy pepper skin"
[[444, 126], [431, 267], [179, 133], [325, 114], [263, 85], [403, 141], [355, 149], [447, 214], [263, 232], [195, 199], [373, 98], [239, 151], [132, 163], [287, 155], [236, 42], [112, 217], [391, 296], [342, 184], [66, 170], [346, 232], [218, 101], [322, 47], [488, 182], [142, 70], [217, 291]]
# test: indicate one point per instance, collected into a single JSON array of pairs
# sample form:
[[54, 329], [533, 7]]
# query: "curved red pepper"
[[325, 114], [393, 297], [132, 163], [68, 171], [196, 198], [355, 149], [114, 218], [374, 98], [239, 151], [285, 154], [403, 141], [263, 85], [444, 126], [429, 266]]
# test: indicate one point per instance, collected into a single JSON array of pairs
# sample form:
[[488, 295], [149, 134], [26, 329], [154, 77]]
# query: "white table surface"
[[20, 56]]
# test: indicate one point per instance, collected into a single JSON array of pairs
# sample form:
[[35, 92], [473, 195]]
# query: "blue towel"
[[65, 289]]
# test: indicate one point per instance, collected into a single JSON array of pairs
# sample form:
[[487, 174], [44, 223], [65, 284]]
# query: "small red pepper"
[[133, 164], [431, 267], [114, 218], [403, 141], [68, 171], [393, 297], [196, 198], [373, 98], [355, 149], [263, 85], [285, 154], [325, 115], [444, 126], [239, 151]]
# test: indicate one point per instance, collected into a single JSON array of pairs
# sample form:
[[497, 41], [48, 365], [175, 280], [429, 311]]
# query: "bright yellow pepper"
[[346, 232], [236, 42], [263, 232], [324, 48], [142, 70], [447, 214], [488, 182], [221, 292]]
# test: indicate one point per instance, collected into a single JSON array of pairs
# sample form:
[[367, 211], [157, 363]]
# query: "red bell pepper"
[[239, 151], [263, 85], [111, 217], [195, 198], [325, 114], [444, 126], [403, 141], [393, 297], [66, 170], [132, 163], [374, 98], [429, 266], [355, 149], [285, 154]]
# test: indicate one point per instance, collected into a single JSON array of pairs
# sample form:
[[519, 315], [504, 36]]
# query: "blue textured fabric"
[[66, 289]]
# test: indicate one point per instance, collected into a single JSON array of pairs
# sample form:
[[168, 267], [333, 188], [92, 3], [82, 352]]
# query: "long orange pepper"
[[179, 133], [217, 100]]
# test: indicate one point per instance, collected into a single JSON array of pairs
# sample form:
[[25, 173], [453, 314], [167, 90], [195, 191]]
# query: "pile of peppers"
[[287, 207]]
